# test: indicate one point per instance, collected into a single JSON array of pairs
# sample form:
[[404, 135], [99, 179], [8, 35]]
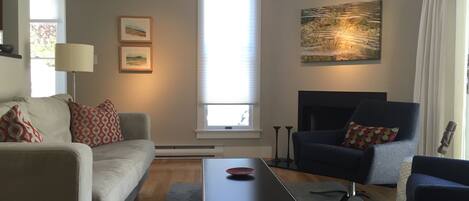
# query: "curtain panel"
[[439, 78]]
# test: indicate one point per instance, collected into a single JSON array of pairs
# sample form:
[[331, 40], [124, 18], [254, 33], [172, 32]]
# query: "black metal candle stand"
[[285, 163]]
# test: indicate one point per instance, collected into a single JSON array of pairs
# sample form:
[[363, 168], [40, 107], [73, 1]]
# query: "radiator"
[[188, 151]]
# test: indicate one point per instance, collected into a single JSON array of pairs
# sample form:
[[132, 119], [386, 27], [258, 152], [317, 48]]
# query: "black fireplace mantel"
[[329, 110]]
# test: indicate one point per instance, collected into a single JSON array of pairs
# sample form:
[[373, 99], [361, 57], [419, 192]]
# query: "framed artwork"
[[342, 32], [135, 29], [136, 58]]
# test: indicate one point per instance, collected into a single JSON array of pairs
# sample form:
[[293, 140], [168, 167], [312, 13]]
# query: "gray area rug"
[[301, 192]]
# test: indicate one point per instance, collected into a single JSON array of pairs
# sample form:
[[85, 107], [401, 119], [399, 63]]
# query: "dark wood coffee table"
[[262, 186]]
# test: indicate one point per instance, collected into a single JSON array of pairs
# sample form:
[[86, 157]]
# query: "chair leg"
[[327, 192], [352, 192]]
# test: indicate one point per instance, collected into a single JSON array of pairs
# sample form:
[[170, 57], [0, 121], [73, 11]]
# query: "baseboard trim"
[[211, 151], [248, 151]]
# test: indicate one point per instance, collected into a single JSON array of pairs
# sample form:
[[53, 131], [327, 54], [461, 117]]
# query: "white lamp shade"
[[71, 57]]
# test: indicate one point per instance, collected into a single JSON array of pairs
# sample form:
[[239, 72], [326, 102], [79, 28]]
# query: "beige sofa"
[[59, 170]]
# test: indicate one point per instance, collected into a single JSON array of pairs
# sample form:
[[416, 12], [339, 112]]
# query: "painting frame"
[[123, 62], [145, 26], [375, 28]]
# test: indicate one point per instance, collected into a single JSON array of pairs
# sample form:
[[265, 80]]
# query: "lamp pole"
[[74, 79]]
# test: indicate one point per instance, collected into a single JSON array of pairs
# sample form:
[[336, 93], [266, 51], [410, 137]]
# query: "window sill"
[[206, 134], [16, 56]]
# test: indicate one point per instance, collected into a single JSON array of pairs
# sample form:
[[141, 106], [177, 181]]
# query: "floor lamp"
[[70, 57]]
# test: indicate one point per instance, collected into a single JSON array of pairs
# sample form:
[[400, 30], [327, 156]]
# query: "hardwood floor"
[[164, 173]]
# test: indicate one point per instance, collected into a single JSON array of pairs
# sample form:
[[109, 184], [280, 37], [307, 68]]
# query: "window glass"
[[44, 77], [228, 115], [43, 40]]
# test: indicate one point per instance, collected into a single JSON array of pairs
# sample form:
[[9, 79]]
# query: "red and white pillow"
[[95, 126], [15, 127], [362, 137]]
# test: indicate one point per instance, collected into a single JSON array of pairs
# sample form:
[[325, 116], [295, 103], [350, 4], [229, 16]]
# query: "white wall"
[[169, 93], [14, 73]]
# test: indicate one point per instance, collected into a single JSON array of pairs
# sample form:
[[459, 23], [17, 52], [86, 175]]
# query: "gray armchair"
[[320, 152]]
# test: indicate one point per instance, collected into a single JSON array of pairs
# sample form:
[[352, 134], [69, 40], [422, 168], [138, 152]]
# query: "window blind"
[[228, 52], [45, 9]]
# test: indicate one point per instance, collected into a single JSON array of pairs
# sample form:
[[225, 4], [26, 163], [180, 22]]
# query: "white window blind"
[[45, 9], [229, 52]]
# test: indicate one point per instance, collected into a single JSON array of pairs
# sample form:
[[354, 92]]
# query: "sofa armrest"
[[449, 169], [53, 172], [381, 163], [437, 193], [135, 126]]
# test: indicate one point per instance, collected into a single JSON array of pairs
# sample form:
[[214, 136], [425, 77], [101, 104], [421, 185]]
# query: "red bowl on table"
[[240, 171]]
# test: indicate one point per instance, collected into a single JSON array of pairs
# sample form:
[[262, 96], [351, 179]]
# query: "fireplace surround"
[[329, 110]]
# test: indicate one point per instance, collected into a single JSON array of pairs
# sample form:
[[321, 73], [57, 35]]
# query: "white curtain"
[[437, 79]]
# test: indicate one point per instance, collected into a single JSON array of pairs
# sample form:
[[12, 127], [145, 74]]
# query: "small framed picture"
[[136, 58], [135, 29]]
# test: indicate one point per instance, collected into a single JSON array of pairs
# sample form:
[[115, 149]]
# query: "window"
[[228, 63], [47, 27]]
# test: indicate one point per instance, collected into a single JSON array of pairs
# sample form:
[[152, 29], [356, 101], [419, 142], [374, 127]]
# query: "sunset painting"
[[342, 32]]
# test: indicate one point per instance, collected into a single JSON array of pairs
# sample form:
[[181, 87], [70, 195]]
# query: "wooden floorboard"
[[164, 173]]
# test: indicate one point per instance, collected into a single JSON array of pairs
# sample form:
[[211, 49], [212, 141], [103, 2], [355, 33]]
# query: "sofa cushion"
[[118, 168], [51, 117], [95, 126], [332, 155], [14, 127], [6, 106], [419, 180]]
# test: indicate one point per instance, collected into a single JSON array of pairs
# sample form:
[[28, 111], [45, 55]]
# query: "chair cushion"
[[332, 155], [95, 126], [416, 180], [361, 137], [118, 168], [16, 127], [51, 117]]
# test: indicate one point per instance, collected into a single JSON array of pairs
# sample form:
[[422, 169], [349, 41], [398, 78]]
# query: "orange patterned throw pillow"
[[14, 127], [95, 126], [362, 137]]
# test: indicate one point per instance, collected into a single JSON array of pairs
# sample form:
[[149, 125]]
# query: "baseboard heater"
[[188, 151]]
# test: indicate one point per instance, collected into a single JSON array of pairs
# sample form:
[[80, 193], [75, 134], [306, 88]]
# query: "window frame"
[[60, 21], [253, 131]]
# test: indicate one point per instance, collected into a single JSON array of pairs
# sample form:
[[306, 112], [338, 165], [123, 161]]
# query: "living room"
[[177, 75]]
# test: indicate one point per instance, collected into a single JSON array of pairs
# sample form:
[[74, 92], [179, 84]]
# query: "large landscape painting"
[[343, 32]]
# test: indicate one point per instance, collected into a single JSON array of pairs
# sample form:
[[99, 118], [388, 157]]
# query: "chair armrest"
[[332, 137], [381, 163], [449, 169], [135, 126], [438, 193], [53, 172]]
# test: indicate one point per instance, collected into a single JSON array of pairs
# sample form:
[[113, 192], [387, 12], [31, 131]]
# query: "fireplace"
[[321, 110]]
